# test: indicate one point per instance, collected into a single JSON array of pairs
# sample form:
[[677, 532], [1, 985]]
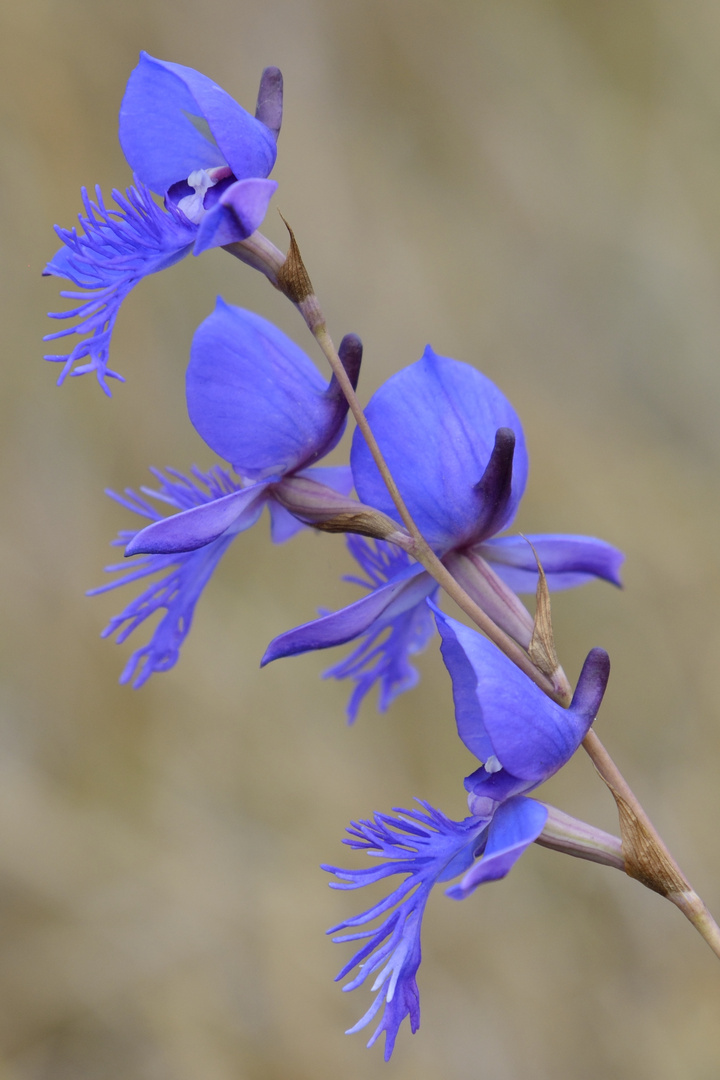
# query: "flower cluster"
[[453, 444]]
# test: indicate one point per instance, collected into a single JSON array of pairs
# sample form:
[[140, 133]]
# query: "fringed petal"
[[424, 845], [116, 249], [181, 580]]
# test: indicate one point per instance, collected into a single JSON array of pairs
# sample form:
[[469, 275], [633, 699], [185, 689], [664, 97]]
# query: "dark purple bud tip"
[[269, 107], [495, 484], [591, 684], [350, 353]]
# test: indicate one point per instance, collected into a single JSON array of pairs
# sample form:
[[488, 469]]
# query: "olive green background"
[[534, 188]]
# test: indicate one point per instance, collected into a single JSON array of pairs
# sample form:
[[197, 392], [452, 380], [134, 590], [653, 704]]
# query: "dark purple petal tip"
[[495, 486], [591, 685], [269, 109], [350, 353]]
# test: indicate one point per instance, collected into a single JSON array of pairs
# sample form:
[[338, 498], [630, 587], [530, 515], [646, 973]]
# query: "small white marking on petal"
[[492, 764], [192, 205]]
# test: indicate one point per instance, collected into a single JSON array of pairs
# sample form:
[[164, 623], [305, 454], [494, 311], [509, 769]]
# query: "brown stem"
[[647, 858]]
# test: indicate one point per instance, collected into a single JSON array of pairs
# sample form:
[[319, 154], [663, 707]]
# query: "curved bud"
[[591, 685], [495, 486], [269, 107], [350, 353]]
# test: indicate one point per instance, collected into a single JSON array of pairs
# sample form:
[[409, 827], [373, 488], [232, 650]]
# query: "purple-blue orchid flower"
[[455, 446], [187, 141], [260, 403], [522, 738]]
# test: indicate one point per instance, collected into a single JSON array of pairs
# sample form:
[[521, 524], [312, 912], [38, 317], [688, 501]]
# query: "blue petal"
[[370, 614], [436, 423], [201, 525], [567, 560], [182, 577], [496, 786], [427, 847], [173, 121], [116, 250], [516, 824], [498, 708], [337, 477], [256, 398], [239, 212]]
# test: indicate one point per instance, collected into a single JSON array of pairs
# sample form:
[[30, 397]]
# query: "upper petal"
[[497, 705], [436, 423], [256, 398], [173, 120], [567, 560]]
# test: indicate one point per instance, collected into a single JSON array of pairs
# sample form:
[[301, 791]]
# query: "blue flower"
[[456, 449], [261, 404], [190, 143], [522, 738]]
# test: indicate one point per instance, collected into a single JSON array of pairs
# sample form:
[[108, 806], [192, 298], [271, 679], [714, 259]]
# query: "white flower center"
[[492, 764], [192, 205]]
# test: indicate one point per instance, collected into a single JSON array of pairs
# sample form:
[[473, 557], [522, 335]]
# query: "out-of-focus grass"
[[533, 188]]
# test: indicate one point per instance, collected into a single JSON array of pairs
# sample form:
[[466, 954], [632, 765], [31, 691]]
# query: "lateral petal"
[[516, 824], [378, 609], [200, 525], [238, 213], [179, 579], [568, 561]]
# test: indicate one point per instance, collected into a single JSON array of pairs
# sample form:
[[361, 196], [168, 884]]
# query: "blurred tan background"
[[533, 187]]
